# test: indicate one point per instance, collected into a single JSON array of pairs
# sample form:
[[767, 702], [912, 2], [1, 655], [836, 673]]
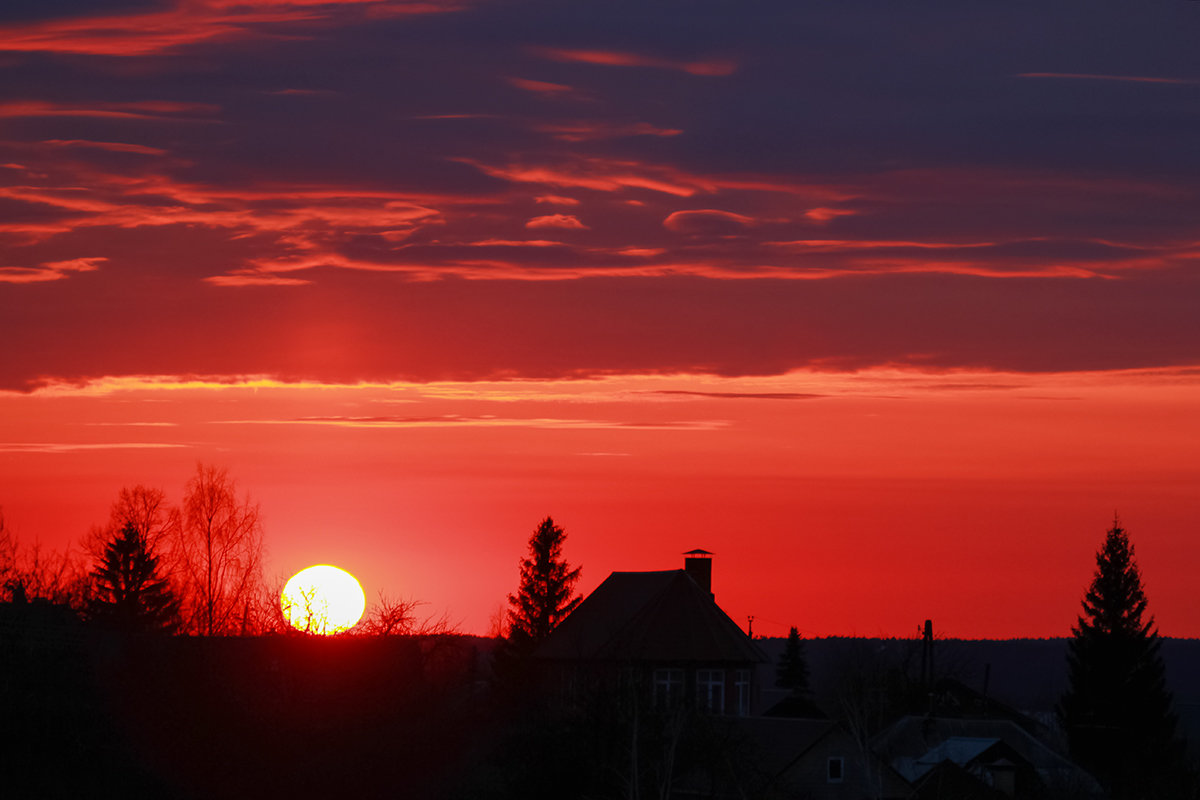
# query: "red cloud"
[[556, 221], [541, 87], [826, 214], [139, 110], [115, 147], [707, 220], [187, 22], [50, 271], [613, 58], [1092, 77], [591, 131], [557, 200]]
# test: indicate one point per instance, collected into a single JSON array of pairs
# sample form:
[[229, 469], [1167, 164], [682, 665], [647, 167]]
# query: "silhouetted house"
[[814, 759], [999, 753], [661, 633], [971, 767], [953, 698]]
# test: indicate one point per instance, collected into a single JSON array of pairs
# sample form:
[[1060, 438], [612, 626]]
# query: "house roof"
[[961, 750], [912, 738], [660, 616]]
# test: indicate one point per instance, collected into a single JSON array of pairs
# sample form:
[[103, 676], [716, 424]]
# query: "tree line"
[[196, 568]]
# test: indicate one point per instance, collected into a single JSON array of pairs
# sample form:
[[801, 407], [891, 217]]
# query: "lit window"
[[741, 682], [710, 690], [668, 688], [836, 770]]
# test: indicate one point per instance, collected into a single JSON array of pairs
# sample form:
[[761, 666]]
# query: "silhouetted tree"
[[148, 511], [792, 670], [219, 547], [1117, 710], [30, 572], [129, 593], [544, 596]]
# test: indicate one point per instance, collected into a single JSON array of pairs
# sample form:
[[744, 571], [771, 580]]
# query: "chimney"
[[698, 564]]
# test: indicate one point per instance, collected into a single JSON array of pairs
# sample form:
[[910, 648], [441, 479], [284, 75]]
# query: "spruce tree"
[[1117, 710], [129, 594], [544, 597], [792, 670]]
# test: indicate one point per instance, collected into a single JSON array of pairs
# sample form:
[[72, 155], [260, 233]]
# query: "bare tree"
[[49, 575], [219, 548], [147, 511], [392, 617], [8, 559]]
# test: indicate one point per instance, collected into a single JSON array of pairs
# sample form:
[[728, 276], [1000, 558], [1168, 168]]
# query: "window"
[[835, 770], [668, 688], [710, 690], [741, 683]]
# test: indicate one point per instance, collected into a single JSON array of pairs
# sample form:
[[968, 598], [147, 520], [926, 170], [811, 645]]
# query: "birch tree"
[[219, 552]]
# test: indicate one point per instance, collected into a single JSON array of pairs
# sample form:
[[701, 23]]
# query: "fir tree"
[[792, 670], [544, 596], [129, 594], [1117, 710]]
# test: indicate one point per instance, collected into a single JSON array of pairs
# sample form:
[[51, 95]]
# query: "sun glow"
[[322, 600]]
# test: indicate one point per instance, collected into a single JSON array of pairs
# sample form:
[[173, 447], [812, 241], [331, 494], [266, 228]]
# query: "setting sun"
[[323, 600]]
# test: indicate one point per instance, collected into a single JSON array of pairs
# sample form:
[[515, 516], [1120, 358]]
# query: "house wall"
[[862, 777]]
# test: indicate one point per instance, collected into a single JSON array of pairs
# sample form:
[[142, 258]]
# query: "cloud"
[[143, 110], [1083, 76], [616, 58], [75, 447], [488, 421], [543, 87], [566, 221], [115, 147], [595, 130], [740, 395], [50, 271], [707, 221], [827, 214], [190, 23]]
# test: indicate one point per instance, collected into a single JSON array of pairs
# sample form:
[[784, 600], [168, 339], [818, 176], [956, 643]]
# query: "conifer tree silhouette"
[[129, 594], [792, 670], [544, 596], [1117, 710]]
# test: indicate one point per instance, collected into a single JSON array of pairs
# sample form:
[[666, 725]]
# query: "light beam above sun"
[[323, 600]]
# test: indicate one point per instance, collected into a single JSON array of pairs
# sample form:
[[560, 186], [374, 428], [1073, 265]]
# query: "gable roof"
[[649, 616], [913, 737]]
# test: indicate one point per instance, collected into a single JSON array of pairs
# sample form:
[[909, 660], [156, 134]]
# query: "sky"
[[891, 306]]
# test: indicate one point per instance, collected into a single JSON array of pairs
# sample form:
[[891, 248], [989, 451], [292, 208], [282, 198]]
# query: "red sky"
[[889, 306]]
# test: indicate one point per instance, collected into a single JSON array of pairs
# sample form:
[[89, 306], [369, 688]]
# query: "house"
[[971, 767], [814, 759], [998, 753], [662, 633]]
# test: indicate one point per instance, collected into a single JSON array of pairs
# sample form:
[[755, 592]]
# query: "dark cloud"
[[378, 327], [309, 189]]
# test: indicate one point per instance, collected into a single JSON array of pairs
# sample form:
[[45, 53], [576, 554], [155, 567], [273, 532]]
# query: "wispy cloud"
[[487, 421], [615, 58], [565, 221], [189, 23], [739, 395], [1085, 76], [75, 447], [50, 271], [140, 110]]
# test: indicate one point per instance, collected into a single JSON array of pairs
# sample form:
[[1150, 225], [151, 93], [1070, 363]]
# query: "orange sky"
[[891, 306], [841, 503]]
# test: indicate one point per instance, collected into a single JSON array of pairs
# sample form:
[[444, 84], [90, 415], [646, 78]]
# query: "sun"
[[323, 600]]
